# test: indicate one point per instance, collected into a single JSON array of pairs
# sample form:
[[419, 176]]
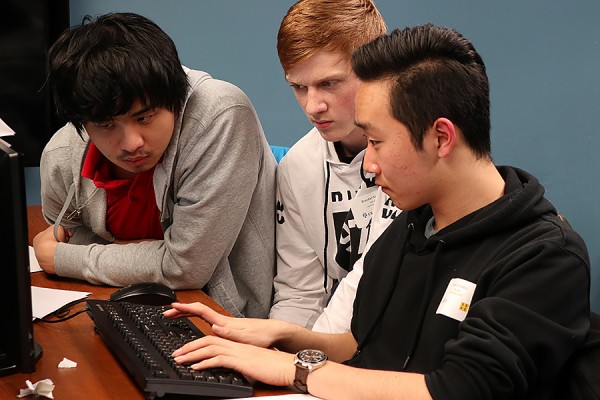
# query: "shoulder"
[[302, 166], [63, 137], [217, 112], [208, 93], [305, 153], [63, 156], [556, 229], [66, 144], [547, 230]]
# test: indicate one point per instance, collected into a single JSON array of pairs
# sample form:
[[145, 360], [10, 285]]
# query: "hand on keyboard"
[[258, 332], [255, 363]]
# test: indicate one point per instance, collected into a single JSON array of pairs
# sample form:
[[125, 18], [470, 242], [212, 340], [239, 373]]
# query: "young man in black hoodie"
[[478, 291]]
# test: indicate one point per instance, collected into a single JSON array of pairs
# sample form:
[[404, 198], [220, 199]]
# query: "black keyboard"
[[143, 341]]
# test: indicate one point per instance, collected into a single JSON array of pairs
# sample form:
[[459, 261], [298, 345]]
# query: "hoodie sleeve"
[[299, 282]]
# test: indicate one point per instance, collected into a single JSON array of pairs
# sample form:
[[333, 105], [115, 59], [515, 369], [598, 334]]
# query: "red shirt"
[[131, 211]]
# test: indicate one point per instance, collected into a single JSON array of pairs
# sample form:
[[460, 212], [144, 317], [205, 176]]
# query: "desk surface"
[[98, 374]]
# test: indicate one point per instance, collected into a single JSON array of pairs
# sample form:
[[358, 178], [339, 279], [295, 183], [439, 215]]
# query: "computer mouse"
[[150, 293]]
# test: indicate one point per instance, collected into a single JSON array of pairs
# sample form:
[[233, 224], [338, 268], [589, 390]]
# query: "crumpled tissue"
[[40, 388], [66, 363]]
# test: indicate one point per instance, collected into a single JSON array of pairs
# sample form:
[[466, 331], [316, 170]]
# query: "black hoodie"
[[528, 313]]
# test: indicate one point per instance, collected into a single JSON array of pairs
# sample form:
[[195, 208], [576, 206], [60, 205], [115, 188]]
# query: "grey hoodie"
[[215, 188]]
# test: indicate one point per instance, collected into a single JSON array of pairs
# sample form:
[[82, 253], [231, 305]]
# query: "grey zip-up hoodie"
[[215, 188]]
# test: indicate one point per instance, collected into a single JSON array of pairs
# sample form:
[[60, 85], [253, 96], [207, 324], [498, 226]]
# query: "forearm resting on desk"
[[44, 245], [337, 381]]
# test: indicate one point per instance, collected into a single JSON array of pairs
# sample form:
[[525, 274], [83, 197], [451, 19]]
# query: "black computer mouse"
[[151, 293]]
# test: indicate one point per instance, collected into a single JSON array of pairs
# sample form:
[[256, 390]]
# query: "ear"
[[445, 133]]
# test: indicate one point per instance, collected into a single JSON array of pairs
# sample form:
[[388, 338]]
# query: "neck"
[[352, 144], [467, 190]]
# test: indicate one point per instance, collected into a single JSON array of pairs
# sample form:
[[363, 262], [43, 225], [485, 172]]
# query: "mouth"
[[322, 124], [383, 188], [135, 161]]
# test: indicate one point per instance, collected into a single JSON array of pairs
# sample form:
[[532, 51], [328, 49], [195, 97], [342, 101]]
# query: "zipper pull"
[[75, 213]]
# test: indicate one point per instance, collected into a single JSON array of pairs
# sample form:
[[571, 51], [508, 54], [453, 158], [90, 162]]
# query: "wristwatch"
[[307, 361]]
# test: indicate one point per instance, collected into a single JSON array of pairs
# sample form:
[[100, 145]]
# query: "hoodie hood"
[[523, 201]]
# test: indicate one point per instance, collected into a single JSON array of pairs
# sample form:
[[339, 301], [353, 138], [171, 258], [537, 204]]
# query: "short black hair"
[[97, 70], [435, 72]]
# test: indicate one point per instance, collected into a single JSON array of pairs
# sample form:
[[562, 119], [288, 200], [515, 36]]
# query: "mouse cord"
[[63, 312]]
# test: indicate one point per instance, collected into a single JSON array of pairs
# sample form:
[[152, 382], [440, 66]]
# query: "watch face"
[[312, 356]]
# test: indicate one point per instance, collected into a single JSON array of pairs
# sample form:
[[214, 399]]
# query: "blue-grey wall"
[[543, 59]]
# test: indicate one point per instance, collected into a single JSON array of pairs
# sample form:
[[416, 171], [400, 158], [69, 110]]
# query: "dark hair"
[[99, 69], [435, 72]]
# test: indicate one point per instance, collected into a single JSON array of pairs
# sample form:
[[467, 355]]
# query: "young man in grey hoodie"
[[161, 174]]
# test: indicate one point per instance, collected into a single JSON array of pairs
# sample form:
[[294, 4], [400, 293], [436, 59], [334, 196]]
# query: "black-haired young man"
[[162, 173]]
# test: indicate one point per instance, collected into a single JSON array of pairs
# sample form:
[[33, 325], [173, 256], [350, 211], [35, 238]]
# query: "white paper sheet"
[[5, 129], [45, 301], [34, 266]]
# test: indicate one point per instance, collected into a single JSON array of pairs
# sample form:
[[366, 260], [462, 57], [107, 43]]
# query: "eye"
[[327, 84], [105, 124], [373, 142], [297, 87], [145, 119]]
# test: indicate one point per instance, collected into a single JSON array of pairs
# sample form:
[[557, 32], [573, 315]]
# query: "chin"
[[330, 134], [129, 170], [330, 137]]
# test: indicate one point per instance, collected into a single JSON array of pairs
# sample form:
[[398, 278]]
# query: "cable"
[[63, 313], [63, 319]]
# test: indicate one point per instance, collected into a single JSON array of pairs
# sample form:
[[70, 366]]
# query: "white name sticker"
[[362, 206], [457, 299]]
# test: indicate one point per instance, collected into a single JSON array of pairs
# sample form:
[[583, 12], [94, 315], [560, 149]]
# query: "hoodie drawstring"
[[75, 213], [327, 178], [424, 303], [64, 209]]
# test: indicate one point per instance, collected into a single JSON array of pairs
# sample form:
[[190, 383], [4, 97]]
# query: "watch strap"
[[300, 378]]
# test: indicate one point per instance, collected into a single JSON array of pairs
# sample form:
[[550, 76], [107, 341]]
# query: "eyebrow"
[[365, 126], [338, 76], [142, 111]]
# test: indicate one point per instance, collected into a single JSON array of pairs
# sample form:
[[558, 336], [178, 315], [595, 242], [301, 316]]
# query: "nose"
[[315, 103], [131, 139], [369, 163]]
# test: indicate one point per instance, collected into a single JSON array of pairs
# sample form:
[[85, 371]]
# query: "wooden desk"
[[98, 374]]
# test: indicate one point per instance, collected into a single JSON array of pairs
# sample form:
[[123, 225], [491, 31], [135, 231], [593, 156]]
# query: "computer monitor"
[[27, 29], [18, 351]]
